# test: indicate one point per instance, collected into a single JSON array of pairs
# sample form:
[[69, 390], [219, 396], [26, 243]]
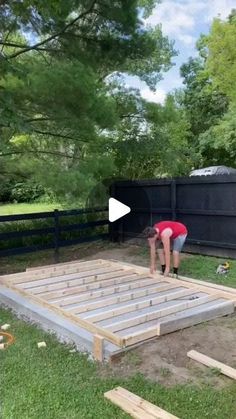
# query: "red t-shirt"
[[178, 228]]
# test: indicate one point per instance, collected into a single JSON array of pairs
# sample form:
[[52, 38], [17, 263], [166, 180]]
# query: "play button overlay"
[[117, 210]]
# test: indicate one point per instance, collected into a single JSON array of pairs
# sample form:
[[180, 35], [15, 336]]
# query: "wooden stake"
[[98, 346]]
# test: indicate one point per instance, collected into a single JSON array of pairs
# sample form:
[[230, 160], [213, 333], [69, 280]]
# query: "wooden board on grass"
[[136, 406], [210, 362]]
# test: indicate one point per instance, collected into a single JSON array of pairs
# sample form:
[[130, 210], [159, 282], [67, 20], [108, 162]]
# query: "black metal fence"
[[206, 205], [53, 233]]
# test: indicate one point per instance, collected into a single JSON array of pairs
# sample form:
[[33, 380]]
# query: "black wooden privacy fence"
[[55, 230], [207, 205]]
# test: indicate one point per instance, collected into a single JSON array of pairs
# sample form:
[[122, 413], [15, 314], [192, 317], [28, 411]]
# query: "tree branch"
[[50, 38], [53, 153], [52, 134], [24, 46]]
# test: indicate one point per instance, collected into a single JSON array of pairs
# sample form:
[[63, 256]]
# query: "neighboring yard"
[[55, 383], [12, 209]]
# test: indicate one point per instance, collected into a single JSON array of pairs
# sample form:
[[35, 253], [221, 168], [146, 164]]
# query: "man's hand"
[[166, 273]]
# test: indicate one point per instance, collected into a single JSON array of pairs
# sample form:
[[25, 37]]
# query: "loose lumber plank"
[[128, 407], [128, 308], [154, 410], [117, 279], [104, 302], [136, 406], [210, 362], [111, 337], [181, 320], [78, 280], [158, 313], [98, 348]]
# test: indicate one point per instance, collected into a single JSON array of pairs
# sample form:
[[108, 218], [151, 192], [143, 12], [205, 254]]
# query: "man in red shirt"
[[161, 235]]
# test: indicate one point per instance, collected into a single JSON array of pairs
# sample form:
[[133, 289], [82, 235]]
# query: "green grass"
[[204, 267], [55, 384], [12, 209]]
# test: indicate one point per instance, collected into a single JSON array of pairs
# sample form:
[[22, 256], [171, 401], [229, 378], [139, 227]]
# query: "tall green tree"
[[57, 104]]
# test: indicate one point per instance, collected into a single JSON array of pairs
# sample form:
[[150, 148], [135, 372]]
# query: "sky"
[[182, 21]]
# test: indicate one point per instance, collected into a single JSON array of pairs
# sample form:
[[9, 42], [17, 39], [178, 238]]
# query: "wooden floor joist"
[[136, 406], [128, 308], [30, 276], [133, 294], [210, 362], [156, 314], [96, 289], [121, 303]]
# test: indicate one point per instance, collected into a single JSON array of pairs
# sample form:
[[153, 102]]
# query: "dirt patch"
[[165, 359]]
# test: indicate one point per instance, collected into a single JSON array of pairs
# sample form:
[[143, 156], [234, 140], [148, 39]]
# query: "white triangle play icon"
[[117, 209]]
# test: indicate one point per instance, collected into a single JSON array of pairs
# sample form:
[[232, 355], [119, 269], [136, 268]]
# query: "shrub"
[[26, 192]]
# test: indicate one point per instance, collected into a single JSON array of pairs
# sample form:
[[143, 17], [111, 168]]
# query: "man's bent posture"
[[162, 235]]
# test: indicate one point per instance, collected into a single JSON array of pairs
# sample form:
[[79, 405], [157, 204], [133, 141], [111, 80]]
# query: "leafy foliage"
[[58, 109]]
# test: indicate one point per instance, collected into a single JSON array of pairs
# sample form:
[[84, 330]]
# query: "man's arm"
[[165, 238], [152, 255]]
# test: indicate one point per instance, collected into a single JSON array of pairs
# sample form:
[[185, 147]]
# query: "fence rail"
[[55, 231]]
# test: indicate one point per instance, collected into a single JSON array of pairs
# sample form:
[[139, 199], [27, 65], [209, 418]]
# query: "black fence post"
[[56, 235], [173, 199], [111, 229]]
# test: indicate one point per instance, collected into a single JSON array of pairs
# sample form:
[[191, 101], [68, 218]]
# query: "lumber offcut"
[[210, 362], [136, 406]]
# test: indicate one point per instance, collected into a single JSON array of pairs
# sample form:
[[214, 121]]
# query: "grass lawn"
[[11, 209], [56, 384]]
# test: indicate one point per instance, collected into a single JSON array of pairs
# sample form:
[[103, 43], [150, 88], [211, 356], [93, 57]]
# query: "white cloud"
[[219, 8], [187, 39], [177, 18], [180, 19], [156, 97]]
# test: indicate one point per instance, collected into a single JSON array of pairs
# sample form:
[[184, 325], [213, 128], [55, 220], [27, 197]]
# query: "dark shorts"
[[176, 244]]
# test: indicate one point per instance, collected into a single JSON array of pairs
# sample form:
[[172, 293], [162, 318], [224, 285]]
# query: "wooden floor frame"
[[74, 290]]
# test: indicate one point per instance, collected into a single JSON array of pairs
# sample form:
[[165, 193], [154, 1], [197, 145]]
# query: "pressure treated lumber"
[[136, 406], [98, 348], [81, 280], [210, 362], [56, 266], [98, 288], [128, 308], [17, 278], [92, 273], [77, 320], [177, 321], [198, 315], [203, 286], [158, 313], [121, 303], [134, 294], [209, 284]]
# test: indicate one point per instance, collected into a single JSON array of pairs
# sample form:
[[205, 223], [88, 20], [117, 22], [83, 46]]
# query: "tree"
[[151, 140], [221, 61], [57, 105]]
